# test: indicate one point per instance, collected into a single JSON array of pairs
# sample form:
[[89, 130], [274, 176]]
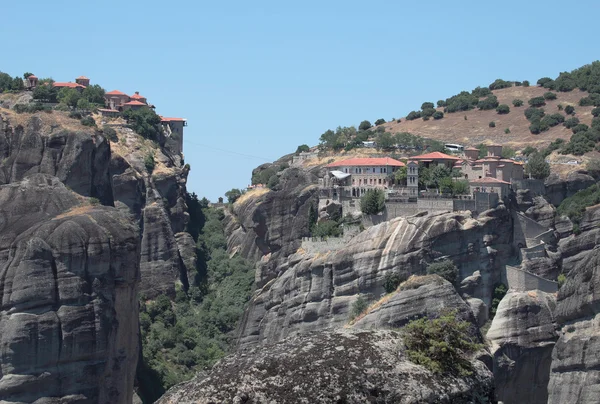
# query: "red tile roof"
[[471, 149], [434, 156], [33, 76], [137, 97], [368, 161], [164, 119], [69, 85], [134, 103], [81, 78], [488, 180], [115, 92]]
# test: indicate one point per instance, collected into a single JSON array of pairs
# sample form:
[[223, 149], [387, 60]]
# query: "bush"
[[517, 102], [491, 102], [380, 121], [427, 105], [326, 228], [88, 121], [546, 82], [446, 269], [574, 207], [427, 112], [233, 195], [149, 162], [507, 131], [302, 148], [499, 83], [525, 83], [499, 293], [412, 115], [593, 168], [537, 167], [537, 102], [441, 345], [364, 125], [441, 103], [571, 123], [144, 122], [529, 150], [438, 115], [481, 92], [590, 100], [372, 202], [534, 114], [492, 124], [569, 110], [503, 109], [553, 120], [596, 112], [549, 95], [580, 127], [392, 279], [555, 145], [358, 307], [561, 280], [110, 133], [560, 107]]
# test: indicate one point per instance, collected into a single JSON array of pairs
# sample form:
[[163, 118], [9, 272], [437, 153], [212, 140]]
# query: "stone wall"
[[536, 187], [520, 280], [435, 205]]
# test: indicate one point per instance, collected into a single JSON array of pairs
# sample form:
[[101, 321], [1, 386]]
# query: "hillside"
[[453, 128]]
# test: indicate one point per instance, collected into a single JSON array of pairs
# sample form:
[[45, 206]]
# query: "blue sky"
[[257, 79]]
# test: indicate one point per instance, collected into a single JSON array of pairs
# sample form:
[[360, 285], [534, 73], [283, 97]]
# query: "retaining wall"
[[520, 280]]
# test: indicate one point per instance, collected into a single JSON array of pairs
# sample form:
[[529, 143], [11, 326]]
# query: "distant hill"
[[453, 128]]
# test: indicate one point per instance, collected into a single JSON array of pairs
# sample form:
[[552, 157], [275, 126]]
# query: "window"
[[380, 181]]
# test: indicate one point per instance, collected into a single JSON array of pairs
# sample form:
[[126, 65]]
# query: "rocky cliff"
[[315, 291], [575, 372], [343, 366], [82, 221], [68, 287]]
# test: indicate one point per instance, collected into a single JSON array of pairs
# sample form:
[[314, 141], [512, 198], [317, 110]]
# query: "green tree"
[[571, 123], [26, 75], [412, 115], [492, 124], [499, 293], [446, 269], [233, 195], [372, 202], [46, 93], [525, 83], [392, 279], [364, 125], [503, 109], [68, 96], [149, 162], [385, 141], [110, 133], [94, 94], [438, 115], [569, 110], [83, 104], [549, 95], [593, 167], [380, 121], [302, 148], [517, 102], [427, 105], [529, 150], [443, 345], [499, 83], [537, 101], [537, 166], [400, 175], [358, 307], [144, 121], [491, 102]]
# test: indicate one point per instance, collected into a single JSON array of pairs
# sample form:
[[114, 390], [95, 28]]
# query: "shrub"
[[438, 115], [593, 167], [490, 102], [412, 115], [596, 112], [499, 293], [426, 105], [110, 133], [88, 121], [326, 228], [144, 122], [546, 82], [492, 124], [302, 148], [273, 181], [507, 131], [441, 103], [574, 207], [518, 84], [580, 127], [517, 102], [525, 83], [553, 120], [149, 162], [503, 109], [549, 95], [380, 121], [358, 307], [529, 150], [499, 83], [571, 123], [555, 145], [392, 279], [442, 345], [446, 269], [560, 107], [537, 101], [581, 142], [561, 280], [372, 202], [537, 166], [533, 114], [481, 92], [364, 125], [590, 100]]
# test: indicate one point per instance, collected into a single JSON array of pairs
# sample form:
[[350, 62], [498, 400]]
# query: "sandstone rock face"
[[424, 296], [522, 337], [316, 291], [273, 223], [575, 248], [343, 366], [575, 372], [557, 189], [68, 290]]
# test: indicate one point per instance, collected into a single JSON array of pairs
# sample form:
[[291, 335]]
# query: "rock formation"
[[342, 366], [315, 291], [575, 373], [522, 337], [68, 287]]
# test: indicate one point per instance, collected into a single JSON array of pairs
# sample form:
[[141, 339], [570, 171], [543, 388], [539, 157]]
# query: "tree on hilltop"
[[364, 125]]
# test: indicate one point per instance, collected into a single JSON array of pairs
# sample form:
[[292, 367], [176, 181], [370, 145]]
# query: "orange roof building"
[[366, 162]]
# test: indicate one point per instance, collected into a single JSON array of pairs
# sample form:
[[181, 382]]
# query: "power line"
[[230, 151]]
